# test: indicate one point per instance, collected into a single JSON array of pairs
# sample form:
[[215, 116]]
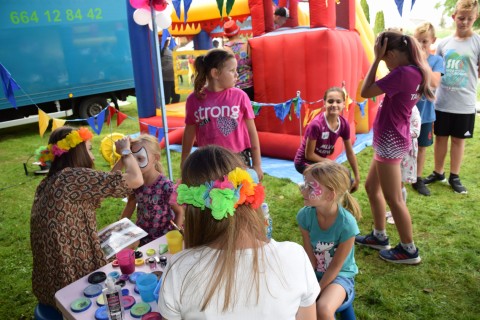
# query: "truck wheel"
[[92, 106]]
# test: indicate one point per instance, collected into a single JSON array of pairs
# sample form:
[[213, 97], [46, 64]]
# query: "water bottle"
[[268, 220]]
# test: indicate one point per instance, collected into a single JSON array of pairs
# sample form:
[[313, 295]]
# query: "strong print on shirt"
[[204, 113]]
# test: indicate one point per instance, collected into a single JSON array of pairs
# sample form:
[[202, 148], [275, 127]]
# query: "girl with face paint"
[[152, 200], [328, 226]]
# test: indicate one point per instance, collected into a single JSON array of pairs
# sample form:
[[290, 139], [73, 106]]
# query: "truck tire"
[[92, 106]]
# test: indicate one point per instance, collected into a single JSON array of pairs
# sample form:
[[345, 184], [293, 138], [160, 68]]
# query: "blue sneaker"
[[400, 255], [373, 242]]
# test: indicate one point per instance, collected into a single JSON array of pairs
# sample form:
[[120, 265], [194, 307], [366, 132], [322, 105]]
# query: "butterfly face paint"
[[142, 157], [311, 189]]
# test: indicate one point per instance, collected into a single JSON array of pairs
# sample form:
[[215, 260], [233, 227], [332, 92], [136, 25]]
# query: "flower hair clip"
[[73, 139], [224, 195]]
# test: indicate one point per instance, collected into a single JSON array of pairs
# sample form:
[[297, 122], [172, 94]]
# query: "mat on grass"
[[285, 169]]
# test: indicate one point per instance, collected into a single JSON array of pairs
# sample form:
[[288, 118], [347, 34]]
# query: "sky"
[[422, 11]]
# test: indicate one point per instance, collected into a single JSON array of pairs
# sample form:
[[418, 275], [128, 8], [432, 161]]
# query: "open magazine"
[[119, 235]]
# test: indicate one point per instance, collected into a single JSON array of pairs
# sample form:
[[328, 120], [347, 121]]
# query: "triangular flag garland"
[[9, 85], [57, 123], [282, 110], [43, 120]]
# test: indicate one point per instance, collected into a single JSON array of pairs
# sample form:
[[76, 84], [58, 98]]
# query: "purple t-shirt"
[[319, 130], [153, 209], [220, 118], [391, 128]]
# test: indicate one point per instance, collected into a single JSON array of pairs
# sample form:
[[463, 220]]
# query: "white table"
[[64, 297]]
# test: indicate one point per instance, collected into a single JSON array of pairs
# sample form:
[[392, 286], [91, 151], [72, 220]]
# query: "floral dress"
[[153, 209]]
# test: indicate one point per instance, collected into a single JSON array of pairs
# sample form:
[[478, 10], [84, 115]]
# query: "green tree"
[[366, 9], [379, 23]]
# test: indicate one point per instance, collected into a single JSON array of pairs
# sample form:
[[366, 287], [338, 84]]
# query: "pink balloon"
[[138, 4], [159, 5]]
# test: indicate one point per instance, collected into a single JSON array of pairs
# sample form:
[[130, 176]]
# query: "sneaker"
[[456, 185], [389, 217], [434, 177], [400, 255], [373, 242], [421, 187]]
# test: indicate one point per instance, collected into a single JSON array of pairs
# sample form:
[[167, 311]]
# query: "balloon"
[[138, 4], [142, 16], [159, 5], [164, 22], [168, 10]]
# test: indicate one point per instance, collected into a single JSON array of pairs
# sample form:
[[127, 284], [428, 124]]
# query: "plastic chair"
[[345, 311], [46, 312]]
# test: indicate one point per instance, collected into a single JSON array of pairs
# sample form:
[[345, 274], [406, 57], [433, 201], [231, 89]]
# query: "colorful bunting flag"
[[120, 117], [176, 6], [9, 85], [96, 122], [43, 120], [361, 106], [161, 134], [111, 112], [57, 123], [399, 4], [152, 130], [186, 7]]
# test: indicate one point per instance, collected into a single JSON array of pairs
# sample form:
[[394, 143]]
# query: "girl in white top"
[[230, 270]]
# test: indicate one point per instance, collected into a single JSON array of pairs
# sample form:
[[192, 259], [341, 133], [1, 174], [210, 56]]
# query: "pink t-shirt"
[[220, 118], [391, 128], [326, 138]]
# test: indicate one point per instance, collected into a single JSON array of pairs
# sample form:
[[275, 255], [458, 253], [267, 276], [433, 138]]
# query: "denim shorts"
[[347, 283]]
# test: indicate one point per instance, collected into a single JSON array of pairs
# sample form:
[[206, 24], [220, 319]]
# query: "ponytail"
[[214, 59], [351, 204], [200, 77]]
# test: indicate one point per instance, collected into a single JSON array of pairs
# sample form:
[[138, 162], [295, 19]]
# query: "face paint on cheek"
[[315, 190], [142, 157]]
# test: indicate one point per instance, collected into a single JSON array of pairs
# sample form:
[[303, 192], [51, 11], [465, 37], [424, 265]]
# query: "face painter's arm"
[[133, 176]]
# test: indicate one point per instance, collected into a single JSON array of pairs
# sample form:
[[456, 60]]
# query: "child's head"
[[218, 67], [334, 100], [405, 50], [465, 14], [147, 152], [425, 35], [329, 181], [204, 226]]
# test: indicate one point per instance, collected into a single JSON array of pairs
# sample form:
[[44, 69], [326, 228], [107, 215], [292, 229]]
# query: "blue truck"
[[68, 56]]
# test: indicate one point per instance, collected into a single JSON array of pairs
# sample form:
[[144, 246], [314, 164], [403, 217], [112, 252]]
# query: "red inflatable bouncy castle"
[[309, 60]]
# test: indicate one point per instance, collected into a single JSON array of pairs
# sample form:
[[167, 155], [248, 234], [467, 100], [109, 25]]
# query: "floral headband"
[[73, 139], [222, 196]]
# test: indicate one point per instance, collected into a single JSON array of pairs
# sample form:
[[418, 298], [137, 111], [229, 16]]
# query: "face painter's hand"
[[122, 144]]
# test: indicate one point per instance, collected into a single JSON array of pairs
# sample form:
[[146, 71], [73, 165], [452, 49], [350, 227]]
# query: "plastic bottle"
[[268, 220], [112, 295]]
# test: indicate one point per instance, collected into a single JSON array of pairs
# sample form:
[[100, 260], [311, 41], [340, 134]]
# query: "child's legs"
[[440, 149], [391, 181], [422, 151], [333, 296], [425, 139], [375, 196], [457, 147]]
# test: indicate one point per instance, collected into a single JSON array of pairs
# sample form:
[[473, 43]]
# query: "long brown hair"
[[411, 48], [201, 229], [214, 59], [336, 178], [76, 157]]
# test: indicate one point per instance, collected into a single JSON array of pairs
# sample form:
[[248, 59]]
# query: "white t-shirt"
[[287, 282]]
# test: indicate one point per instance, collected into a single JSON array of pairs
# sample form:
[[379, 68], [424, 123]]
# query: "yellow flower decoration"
[[237, 175]]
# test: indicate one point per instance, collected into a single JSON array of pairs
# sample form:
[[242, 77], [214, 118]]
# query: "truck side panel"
[[58, 49]]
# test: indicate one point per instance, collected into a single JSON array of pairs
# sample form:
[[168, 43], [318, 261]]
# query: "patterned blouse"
[[244, 64], [63, 227]]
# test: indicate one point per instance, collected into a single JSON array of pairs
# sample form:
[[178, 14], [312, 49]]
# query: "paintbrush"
[[176, 227]]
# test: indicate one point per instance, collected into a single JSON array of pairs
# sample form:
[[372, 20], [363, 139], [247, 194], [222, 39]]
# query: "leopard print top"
[[63, 227]]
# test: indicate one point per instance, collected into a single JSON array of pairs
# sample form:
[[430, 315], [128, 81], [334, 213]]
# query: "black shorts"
[[425, 139], [454, 124]]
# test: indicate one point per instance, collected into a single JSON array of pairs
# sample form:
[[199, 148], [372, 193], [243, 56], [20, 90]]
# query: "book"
[[119, 235]]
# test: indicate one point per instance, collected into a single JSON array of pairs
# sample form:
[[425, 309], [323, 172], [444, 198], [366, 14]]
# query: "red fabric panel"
[[346, 15], [315, 60], [292, 6], [323, 13], [258, 16]]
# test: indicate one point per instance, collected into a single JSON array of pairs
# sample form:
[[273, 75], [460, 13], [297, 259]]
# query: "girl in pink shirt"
[[218, 113], [407, 81]]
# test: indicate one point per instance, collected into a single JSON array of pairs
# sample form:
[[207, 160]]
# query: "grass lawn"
[[446, 285]]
